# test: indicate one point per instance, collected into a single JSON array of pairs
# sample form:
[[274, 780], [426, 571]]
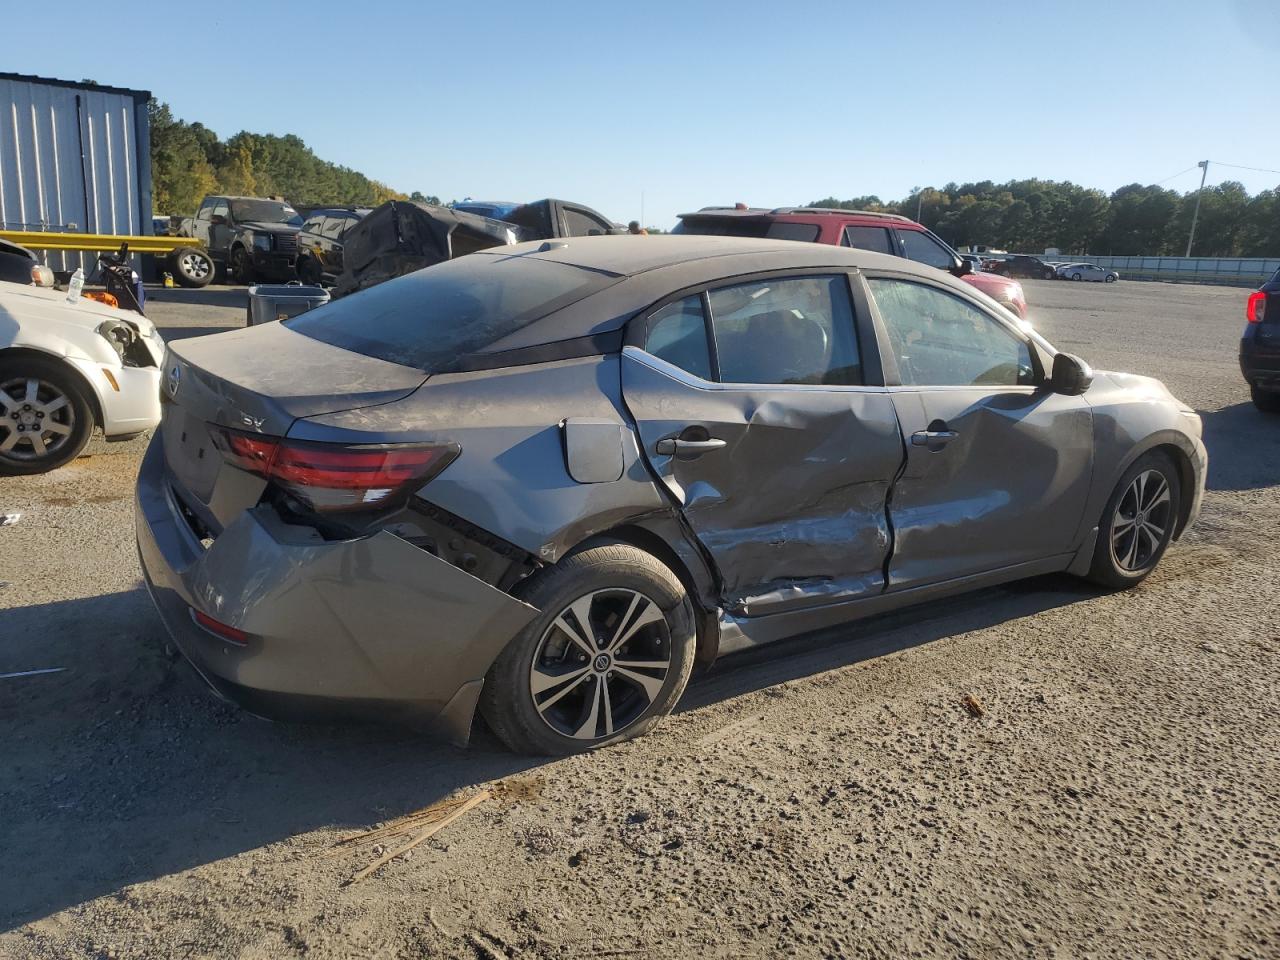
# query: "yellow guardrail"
[[41, 240]]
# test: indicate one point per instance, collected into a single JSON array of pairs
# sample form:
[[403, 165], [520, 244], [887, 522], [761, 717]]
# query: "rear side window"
[[678, 334], [578, 223], [875, 239], [434, 318], [807, 232], [795, 330]]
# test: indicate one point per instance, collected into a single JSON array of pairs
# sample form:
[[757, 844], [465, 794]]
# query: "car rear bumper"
[[372, 627], [1260, 361]]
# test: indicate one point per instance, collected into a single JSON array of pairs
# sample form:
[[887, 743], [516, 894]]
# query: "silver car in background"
[[1087, 271], [547, 480]]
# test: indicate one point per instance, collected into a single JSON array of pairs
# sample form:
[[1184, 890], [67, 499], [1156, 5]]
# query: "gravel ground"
[[827, 797]]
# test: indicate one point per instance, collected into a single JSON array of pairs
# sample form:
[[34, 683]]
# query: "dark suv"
[[1260, 346], [861, 229], [1021, 265], [250, 237]]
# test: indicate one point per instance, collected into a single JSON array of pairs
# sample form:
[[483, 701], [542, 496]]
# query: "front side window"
[[678, 334], [220, 209], [922, 248], [793, 330], [875, 239], [938, 339]]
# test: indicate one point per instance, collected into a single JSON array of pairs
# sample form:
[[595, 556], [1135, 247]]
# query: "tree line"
[[188, 161], [1035, 215]]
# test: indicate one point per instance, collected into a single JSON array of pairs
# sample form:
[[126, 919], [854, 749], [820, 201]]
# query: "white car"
[[1087, 271], [66, 367]]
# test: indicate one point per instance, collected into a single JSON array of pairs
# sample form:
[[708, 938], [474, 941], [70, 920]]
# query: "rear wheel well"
[[89, 393], [1186, 481], [707, 622]]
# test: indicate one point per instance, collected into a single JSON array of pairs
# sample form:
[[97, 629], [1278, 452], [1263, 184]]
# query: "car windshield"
[[265, 211], [433, 319]]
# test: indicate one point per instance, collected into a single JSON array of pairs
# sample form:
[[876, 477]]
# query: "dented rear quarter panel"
[[512, 477]]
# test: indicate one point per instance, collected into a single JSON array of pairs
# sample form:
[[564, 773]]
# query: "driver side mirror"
[[963, 267], [1071, 375]]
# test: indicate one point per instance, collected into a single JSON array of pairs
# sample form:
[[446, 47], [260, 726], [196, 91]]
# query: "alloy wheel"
[[1141, 523], [600, 664], [36, 419], [195, 266]]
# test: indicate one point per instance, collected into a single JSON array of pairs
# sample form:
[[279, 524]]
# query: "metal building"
[[73, 156]]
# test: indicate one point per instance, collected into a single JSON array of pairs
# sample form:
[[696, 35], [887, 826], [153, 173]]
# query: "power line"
[[1194, 166], [1239, 166]]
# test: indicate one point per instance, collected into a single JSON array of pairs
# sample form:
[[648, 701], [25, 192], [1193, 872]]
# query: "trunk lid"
[[258, 380]]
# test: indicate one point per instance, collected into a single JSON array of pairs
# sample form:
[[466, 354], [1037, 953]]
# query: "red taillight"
[[219, 629], [1256, 308], [333, 476]]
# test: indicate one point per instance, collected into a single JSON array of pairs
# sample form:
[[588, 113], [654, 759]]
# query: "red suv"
[[881, 232]]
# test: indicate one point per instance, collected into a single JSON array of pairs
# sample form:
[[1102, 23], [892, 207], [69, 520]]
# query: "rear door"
[[998, 466], [760, 414]]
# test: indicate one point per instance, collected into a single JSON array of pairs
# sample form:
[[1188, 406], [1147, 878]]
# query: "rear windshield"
[[433, 319], [748, 227]]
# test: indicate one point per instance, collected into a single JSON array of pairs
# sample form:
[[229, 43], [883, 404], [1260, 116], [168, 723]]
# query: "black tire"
[[1268, 401], [308, 269], [1075, 276], [240, 266], [1109, 279], [1049, 275], [54, 378], [192, 267], [604, 574], [1113, 566]]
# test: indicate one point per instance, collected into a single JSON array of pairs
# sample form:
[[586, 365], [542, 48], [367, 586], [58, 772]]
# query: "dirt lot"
[[826, 797]]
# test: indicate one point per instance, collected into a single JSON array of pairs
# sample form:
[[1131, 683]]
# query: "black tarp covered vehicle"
[[402, 236]]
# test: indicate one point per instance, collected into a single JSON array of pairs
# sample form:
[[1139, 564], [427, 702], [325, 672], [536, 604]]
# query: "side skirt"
[[746, 632]]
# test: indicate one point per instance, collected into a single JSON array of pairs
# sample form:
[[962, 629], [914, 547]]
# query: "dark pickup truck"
[[251, 238]]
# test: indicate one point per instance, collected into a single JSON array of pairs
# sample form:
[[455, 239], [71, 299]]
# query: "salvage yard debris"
[[428, 822], [970, 703]]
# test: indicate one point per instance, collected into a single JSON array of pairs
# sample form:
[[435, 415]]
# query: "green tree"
[[180, 172]]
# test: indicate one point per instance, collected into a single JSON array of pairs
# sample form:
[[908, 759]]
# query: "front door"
[[998, 466], [751, 406]]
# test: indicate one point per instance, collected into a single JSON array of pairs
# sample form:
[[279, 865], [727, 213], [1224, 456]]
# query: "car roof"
[[627, 255], [651, 268]]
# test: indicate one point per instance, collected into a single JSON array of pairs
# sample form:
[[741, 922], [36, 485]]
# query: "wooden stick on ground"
[[426, 834]]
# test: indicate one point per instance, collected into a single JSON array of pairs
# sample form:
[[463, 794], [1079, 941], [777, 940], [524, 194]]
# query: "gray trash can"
[[279, 301]]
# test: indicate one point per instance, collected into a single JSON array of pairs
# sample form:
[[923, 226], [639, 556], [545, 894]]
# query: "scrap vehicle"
[[1260, 345], [247, 237], [1088, 271], [321, 241], [66, 366], [403, 235], [860, 229], [546, 479]]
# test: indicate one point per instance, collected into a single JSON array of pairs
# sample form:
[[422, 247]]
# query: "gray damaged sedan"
[[546, 481]]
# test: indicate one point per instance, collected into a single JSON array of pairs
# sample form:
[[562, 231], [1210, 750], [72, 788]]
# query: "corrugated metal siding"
[[61, 164]]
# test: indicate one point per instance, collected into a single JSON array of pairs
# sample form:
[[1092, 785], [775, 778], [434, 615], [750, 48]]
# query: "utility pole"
[[642, 210], [1203, 165], [919, 204]]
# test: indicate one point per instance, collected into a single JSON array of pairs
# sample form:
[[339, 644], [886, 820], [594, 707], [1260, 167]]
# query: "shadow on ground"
[[1244, 447], [124, 768]]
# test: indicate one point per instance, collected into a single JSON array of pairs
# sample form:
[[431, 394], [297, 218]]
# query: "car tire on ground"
[[192, 267], [558, 688], [1049, 275], [1137, 524], [45, 416], [1075, 276], [1268, 401], [239, 266], [1109, 279]]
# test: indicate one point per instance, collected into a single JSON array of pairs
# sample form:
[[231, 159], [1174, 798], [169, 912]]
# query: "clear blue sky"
[[697, 103]]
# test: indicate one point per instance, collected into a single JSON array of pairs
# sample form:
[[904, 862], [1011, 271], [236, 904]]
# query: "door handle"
[[933, 439], [690, 448]]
